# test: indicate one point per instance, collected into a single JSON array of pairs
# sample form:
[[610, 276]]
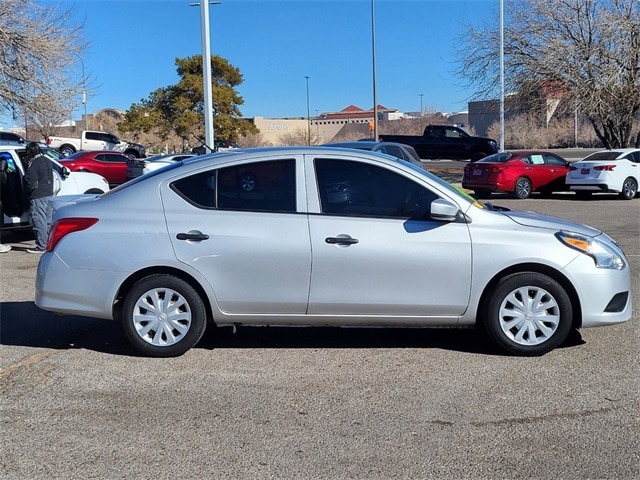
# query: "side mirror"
[[444, 210], [66, 172]]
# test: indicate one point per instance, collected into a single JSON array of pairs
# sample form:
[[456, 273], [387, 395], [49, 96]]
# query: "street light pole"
[[84, 91], [308, 117], [502, 75], [209, 138], [373, 52], [421, 95]]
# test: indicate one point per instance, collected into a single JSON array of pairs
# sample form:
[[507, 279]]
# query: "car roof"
[[618, 152], [266, 152]]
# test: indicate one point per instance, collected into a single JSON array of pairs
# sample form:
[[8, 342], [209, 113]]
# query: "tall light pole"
[[502, 75], [308, 117], [421, 95], [84, 91], [373, 62], [209, 138]]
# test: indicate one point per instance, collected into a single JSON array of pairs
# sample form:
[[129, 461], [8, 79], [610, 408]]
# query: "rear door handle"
[[346, 240], [192, 235]]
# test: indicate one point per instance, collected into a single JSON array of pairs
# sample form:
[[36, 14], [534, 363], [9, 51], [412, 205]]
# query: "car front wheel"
[[629, 188], [163, 316], [528, 314]]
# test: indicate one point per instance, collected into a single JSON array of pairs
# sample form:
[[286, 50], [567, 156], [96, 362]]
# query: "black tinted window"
[[198, 189], [354, 188], [260, 186]]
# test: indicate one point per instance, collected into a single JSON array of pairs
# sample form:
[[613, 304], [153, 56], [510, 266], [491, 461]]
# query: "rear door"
[[240, 227]]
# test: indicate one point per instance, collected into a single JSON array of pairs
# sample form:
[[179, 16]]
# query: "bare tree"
[[38, 46], [585, 53]]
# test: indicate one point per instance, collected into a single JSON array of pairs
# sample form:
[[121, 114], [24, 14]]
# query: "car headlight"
[[604, 255]]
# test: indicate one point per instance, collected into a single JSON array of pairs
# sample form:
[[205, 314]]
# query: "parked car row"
[[523, 172], [323, 236]]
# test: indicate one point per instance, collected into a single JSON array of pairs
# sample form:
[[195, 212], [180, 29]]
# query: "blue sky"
[[133, 45]]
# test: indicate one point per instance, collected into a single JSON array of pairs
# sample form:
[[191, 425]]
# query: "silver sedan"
[[323, 236]]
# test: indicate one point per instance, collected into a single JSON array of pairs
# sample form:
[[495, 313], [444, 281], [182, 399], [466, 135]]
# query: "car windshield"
[[73, 156], [605, 155], [497, 158]]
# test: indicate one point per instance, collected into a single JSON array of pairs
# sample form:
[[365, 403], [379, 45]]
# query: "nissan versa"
[[322, 236]]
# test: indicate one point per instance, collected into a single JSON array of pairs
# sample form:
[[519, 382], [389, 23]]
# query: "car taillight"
[[572, 168], [605, 168], [498, 169], [48, 140], [64, 227]]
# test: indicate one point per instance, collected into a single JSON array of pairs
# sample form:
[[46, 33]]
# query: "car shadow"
[[24, 324]]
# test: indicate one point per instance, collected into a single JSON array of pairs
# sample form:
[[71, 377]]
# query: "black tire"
[[583, 194], [66, 150], [475, 156], [629, 189], [482, 193], [163, 316], [522, 188], [528, 314]]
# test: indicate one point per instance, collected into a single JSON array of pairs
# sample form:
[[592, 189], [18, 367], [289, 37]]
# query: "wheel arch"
[[551, 272], [159, 270]]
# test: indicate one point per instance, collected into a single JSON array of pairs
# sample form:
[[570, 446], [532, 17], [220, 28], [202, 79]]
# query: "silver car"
[[323, 236]]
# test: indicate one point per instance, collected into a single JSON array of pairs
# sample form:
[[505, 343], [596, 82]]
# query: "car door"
[[239, 226], [377, 252], [113, 167]]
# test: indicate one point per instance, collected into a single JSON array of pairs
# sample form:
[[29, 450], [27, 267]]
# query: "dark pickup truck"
[[444, 141]]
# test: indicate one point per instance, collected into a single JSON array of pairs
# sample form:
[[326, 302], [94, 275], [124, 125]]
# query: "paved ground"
[[77, 403]]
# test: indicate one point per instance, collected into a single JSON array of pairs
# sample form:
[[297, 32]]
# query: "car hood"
[[538, 220]]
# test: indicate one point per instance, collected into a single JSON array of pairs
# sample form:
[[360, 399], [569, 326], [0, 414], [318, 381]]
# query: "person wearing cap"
[[38, 181]]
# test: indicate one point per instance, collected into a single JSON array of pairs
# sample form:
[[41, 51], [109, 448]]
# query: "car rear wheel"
[[522, 188], [528, 314], [67, 150], [482, 193], [163, 316], [629, 188]]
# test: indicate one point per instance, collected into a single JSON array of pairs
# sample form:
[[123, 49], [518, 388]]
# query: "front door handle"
[[346, 240], [192, 235]]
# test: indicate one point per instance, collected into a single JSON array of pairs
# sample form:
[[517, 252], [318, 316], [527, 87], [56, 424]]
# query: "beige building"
[[323, 128]]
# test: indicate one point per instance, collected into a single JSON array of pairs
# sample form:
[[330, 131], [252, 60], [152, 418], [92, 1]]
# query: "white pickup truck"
[[90, 140]]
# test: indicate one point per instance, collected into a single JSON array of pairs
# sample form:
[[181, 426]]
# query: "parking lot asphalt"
[[77, 402]]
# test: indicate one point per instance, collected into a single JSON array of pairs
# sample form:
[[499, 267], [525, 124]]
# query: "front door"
[[377, 252]]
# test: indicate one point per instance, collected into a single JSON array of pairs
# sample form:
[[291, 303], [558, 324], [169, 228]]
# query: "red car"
[[519, 173], [111, 165]]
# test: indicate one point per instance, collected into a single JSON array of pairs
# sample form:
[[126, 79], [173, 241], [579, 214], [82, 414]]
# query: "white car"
[[142, 166], [606, 171], [65, 182]]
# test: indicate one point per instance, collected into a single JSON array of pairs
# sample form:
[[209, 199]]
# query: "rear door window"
[[259, 186]]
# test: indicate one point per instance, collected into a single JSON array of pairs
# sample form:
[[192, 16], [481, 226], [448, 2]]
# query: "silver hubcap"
[[529, 315], [522, 188], [629, 188], [162, 317]]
